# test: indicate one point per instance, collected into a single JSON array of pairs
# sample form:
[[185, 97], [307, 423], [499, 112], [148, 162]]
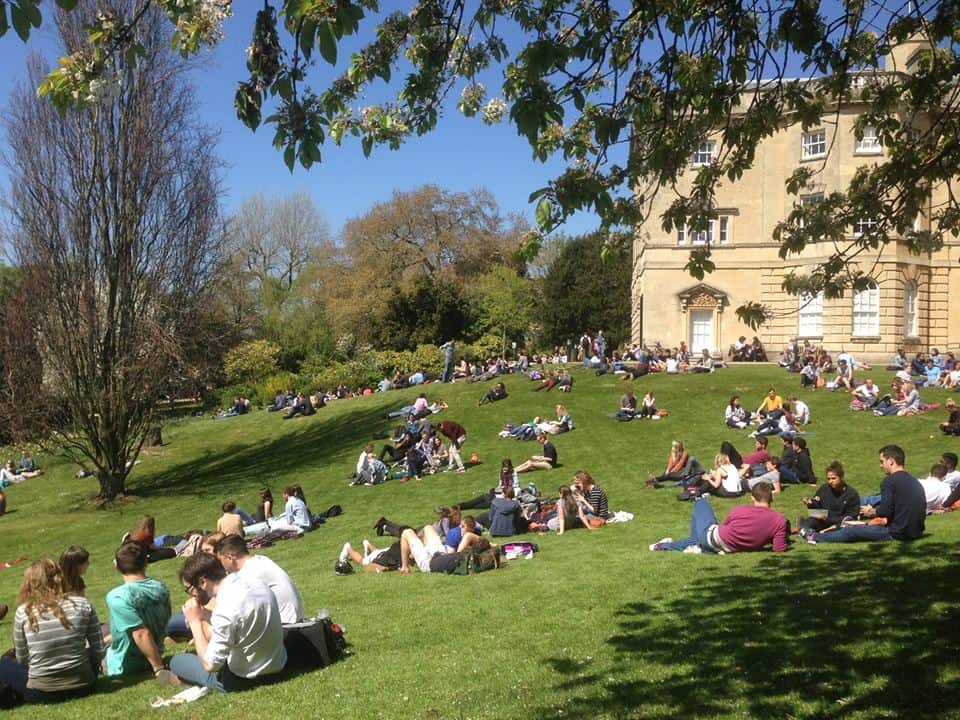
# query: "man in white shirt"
[[952, 478], [867, 393], [936, 490], [235, 558], [245, 642]]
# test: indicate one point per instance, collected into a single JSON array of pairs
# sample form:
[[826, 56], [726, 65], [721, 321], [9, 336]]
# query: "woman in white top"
[[724, 479]]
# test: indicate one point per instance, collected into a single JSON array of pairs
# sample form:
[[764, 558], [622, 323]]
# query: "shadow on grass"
[[818, 635], [313, 439]]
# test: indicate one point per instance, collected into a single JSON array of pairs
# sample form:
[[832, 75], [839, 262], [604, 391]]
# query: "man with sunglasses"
[[244, 646]]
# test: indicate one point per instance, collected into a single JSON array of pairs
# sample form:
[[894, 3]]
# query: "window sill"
[[812, 158], [865, 338], [867, 153]]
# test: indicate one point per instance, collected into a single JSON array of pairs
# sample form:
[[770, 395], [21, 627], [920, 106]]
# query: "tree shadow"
[[823, 634], [315, 439]]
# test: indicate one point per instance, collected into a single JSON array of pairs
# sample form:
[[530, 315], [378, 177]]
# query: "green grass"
[[595, 626]]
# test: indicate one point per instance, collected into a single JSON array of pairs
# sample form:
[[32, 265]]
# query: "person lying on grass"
[[428, 552], [746, 528], [497, 392], [372, 560]]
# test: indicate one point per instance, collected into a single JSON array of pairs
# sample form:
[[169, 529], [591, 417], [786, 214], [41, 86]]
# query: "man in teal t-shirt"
[[139, 611]]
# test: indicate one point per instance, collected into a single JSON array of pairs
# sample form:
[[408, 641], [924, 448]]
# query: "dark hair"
[[508, 492], [950, 459], [774, 460], [800, 443], [70, 562], [200, 566], [895, 453], [732, 398], [232, 545], [835, 467], [229, 506], [131, 558], [762, 439], [469, 522], [938, 471], [265, 494], [762, 492]]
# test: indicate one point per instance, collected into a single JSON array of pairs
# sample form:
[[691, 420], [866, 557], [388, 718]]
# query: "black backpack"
[[313, 644]]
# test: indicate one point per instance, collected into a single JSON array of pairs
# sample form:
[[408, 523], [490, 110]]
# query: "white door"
[[701, 330]]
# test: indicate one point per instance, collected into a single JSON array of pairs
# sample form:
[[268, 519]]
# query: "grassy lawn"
[[595, 626]]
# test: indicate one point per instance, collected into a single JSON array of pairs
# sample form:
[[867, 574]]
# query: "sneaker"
[[693, 550], [658, 545]]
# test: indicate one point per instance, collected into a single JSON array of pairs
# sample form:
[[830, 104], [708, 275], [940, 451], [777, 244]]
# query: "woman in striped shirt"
[[56, 639]]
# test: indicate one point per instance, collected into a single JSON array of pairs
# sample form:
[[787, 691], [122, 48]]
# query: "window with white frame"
[[700, 237], [864, 226], [704, 154], [811, 199], [681, 235], [910, 309], [724, 230], [866, 311], [869, 144], [814, 145], [810, 315]]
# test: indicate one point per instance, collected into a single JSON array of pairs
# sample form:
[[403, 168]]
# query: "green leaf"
[[4, 23], [67, 5], [21, 23], [544, 212], [290, 157], [32, 12], [327, 43], [308, 33]]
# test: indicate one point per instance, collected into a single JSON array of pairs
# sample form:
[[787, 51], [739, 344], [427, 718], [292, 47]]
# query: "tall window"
[[700, 237], [866, 311], [910, 309], [724, 230], [704, 154], [814, 145], [869, 144], [810, 315]]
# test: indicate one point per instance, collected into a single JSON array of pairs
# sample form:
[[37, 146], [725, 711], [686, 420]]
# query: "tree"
[[431, 312], [504, 300], [583, 291], [427, 232], [115, 227], [625, 92]]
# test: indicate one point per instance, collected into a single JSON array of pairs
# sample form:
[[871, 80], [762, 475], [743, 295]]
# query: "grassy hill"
[[595, 626]]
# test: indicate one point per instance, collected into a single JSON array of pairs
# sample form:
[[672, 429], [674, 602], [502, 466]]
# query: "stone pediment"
[[704, 296]]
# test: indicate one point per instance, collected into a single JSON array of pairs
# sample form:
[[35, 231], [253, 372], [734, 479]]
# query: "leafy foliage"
[[251, 361]]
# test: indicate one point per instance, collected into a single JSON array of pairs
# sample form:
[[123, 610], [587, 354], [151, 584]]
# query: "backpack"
[[313, 643], [477, 561]]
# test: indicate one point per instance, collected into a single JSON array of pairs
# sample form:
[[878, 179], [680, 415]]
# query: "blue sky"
[[461, 154]]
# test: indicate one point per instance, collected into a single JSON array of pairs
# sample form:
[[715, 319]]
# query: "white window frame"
[[705, 154], [813, 145], [686, 236], [869, 144], [810, 199], [864, 226], [910, 293], [866, 311], [723, 235], [810, 315]]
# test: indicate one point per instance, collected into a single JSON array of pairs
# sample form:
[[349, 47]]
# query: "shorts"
[[423, 554]]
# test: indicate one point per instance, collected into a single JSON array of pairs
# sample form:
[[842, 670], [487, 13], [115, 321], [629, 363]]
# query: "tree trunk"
[[111, 484]]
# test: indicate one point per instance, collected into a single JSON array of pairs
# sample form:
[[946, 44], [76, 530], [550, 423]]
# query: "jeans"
[[701, 520], [188, 668], [870, 500], [16, 675], [855, 533]]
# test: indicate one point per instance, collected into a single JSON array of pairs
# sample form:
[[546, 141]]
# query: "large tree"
[[114, 214], [624, 91]]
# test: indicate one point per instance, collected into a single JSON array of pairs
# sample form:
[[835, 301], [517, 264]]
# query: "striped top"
[[59, 658], [598, 501]]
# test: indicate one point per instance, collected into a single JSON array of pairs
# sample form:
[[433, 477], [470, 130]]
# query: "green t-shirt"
[[144, 603]]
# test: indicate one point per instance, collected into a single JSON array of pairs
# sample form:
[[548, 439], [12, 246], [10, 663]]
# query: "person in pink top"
[[747, 527]]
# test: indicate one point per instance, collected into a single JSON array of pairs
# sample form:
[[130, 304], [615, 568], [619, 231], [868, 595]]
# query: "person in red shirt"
[[747, 527]]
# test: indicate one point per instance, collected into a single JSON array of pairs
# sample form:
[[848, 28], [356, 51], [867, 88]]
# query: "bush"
[[251, 362], [489, 345], [279, 383], [254, 392]]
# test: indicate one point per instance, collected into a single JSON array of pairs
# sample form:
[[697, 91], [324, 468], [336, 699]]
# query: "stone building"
[[906, 306]]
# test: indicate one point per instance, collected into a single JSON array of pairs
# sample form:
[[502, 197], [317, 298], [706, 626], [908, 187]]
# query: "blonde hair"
[[676, 449], [721, 459], [42, 592]]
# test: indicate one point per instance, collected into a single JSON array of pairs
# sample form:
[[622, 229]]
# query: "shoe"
[[378, 526], [168, 679], [4, 609], [658, 545], [693, 550], [461, 470]]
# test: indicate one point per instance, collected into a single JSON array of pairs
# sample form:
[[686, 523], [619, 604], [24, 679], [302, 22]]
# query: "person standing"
[[448, 353], [457, 436]]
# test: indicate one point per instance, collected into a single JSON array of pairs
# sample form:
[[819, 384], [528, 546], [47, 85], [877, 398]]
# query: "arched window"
[[866, 311], [910, 309], [810, 315]]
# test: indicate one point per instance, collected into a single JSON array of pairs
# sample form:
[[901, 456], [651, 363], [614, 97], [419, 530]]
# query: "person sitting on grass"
[[902, 504], [770, 476], [936, 490], [724, 479], [648, 407], [844, 377], [74, 562], [497, 392], [295, 517], [594, 498], [506, 515], [139, 610], [508, 475], [838, 500], [628, 407], [145, 532], [678, 467], [27, 467], [56, 639], [809, 374], [736, 416], [244, 647], [9, 476], [771, 401], [370, 470], [746, 527], [797, 468], [545, 461], [570, 514], [302, 405], [230, 523], [236, 558], [563, 423]]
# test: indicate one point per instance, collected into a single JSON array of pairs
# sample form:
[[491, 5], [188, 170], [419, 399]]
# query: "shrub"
[[251, 361]]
